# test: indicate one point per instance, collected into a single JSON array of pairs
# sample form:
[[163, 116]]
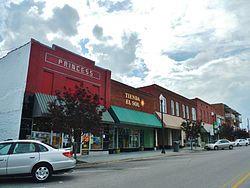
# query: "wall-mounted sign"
[[133, 100], [69, 65]]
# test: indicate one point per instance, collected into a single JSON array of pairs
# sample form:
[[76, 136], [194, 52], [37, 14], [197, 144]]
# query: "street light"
[[162, 124], [214, 129]]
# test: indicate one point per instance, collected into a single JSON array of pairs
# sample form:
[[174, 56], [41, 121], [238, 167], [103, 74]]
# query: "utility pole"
[[248, 125]]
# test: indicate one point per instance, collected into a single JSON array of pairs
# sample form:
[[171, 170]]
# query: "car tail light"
[[68, 154]]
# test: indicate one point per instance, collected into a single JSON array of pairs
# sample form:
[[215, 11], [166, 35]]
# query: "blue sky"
[[196, 48]]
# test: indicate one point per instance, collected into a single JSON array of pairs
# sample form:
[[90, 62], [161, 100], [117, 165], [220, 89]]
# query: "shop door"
[[134, 141]]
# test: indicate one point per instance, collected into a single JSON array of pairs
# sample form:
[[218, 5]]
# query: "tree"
[[192, 130], [76, 110], [226, 131]]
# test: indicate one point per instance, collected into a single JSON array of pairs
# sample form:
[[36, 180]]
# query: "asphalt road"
[[208, 169]]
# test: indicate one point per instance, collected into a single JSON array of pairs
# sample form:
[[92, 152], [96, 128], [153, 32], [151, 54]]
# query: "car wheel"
[[230, 147], [216, 148], [246, 144], [41, 172]]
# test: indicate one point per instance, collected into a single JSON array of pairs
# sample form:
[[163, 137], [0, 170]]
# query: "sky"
[[198, 48]]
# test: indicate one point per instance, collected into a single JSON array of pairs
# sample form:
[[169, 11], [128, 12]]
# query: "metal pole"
[[191, 135], [248, 125], [162, 124]]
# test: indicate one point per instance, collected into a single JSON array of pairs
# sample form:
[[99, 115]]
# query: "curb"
[[82, 164]]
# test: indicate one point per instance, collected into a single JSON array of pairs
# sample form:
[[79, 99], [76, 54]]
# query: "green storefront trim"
[[135, 118], [149, 138]]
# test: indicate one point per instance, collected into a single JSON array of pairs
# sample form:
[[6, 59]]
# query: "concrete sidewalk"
[[86, 160]]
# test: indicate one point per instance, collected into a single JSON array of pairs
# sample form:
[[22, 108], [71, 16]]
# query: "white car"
[[220, 144], [33, 158], [241, 142]]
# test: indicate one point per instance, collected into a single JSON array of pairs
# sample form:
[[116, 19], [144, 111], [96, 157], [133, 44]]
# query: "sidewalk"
[[86, 160]]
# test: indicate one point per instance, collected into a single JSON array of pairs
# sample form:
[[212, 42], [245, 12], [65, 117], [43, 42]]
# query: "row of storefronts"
[[131, 122]]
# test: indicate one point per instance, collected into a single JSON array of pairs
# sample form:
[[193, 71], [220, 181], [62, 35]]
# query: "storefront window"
[[92, 141], [113, 138], [130, 138], [134, 139], [96, 142]]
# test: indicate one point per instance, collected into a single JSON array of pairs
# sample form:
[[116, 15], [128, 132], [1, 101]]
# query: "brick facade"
[[205, 111], [129, 97], [157, 90]]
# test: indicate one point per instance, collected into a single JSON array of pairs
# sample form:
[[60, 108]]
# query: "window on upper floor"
[[193, 114], [177, 109], [183, 111], [187, 112], [172, 107], [163, 106]]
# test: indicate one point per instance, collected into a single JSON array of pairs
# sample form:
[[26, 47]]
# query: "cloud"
[[121, 58], [65, 20], [24, 20], [98, 33], [115, 6]]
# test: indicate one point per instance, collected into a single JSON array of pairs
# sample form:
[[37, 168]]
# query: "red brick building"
[[176, 108], [133, 112], [207, 116], [230, 116], [205, 111]]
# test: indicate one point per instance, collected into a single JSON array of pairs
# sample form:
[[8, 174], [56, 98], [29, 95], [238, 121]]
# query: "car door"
[[4, 154], [224, 143], [23, 158]]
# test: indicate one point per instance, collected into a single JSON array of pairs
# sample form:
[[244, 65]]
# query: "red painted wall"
[[51, 69]]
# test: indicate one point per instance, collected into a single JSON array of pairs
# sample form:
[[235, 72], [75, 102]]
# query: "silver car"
[[34, 158], [220, 144], [241, 142]]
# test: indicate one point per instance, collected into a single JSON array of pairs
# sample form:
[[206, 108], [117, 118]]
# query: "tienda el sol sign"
[[133, 100], [69, 65]]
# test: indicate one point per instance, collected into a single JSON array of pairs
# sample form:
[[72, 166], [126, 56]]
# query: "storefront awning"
[[41, 102], [171, 122], [41, 107], [208, 128], [106, 117], [132, 117]]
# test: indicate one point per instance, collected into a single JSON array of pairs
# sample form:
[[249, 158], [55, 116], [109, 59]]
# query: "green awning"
[[41, 107], [106, 117], [41, 102], [132, 117]]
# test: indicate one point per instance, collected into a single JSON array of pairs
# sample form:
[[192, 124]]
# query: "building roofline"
[[128, 86], [228, 108], [14, 50], [54, 47], [164, 89], [196, 98]]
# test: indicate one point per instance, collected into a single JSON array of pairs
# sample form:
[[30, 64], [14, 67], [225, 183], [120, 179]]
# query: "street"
[[205, 169]]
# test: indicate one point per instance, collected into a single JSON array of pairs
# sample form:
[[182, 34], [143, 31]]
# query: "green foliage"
[[192, 129], [226, 131], [75, 109]]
